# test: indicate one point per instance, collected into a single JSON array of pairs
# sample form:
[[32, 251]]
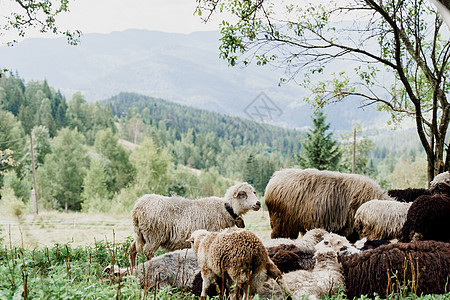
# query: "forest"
[[100, 157]]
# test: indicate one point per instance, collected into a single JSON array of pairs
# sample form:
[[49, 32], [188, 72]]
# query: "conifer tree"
[[321, 151]]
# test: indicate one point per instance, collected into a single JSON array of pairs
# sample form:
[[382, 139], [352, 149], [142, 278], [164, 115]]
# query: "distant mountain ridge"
[[182, 68]]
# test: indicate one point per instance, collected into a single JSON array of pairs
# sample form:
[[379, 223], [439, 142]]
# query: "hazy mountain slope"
[[177, 67]]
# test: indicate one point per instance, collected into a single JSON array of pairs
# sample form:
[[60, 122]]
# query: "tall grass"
[[66, 272]]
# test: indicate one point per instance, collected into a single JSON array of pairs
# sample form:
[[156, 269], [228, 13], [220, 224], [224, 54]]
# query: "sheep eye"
[[326, 242], [242, 195]]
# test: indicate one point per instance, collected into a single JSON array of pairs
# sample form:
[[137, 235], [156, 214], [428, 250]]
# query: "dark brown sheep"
[[291, 258], [428, 218], [367, 273], [408, 195]]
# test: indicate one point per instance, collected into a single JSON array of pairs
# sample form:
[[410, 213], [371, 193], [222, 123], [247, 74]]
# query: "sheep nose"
[[258, 204]]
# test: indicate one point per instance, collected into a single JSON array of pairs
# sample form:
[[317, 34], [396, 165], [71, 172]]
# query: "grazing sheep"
[[237, 255], [381, 219], [367, 273], [299, 200], [408, 195], [441, 184], [428, 218], [169, 221], [177, 269]]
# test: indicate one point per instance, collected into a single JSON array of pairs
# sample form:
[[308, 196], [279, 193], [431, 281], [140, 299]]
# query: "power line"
[[13, 140]]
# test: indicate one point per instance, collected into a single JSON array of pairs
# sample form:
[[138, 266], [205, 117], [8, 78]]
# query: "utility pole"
[[33, 194], [354, 152]]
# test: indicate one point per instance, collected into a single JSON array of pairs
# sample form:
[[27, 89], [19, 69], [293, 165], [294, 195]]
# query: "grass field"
[[63, 256], [80, 229]]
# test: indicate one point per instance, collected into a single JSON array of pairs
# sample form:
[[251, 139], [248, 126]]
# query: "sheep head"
[[440, 184], [338, 243], [242, 198]]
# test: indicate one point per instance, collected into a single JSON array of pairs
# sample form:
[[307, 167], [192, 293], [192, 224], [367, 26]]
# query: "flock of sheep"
[[354, 235]]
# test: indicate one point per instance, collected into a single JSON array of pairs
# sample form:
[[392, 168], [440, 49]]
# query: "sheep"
[[364, 244], [298, 200], [367, 273], [323, 279], [408, 195], [440, 184], [307, 241], [288, 260], [169, 221], [381, 219], [236, 255], [177, 269], [428, 218]]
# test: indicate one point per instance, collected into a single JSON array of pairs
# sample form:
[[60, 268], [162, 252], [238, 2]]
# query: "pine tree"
[[321, 151]]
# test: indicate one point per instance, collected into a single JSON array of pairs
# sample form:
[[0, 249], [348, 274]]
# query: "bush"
[[10, 204]]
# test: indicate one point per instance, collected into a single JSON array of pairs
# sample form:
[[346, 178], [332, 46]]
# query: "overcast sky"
[[104, 16]]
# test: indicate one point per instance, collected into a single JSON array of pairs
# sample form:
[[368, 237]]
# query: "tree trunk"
[[447, 160]]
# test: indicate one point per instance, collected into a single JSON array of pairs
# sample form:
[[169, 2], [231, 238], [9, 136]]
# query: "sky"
[[105, 16]]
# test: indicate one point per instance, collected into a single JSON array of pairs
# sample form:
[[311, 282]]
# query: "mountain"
[[182, 68]]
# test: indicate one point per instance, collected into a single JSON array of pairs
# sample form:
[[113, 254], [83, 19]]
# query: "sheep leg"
[[132, 252], [208, 278]]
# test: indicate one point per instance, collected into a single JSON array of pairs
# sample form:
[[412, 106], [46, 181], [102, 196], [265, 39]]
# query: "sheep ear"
[[239, 222], [190, 240]]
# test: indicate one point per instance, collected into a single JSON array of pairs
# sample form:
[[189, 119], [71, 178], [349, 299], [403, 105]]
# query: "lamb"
[[177, 269], [323, 279], [428, 219], [298, 200], [367, 273], [169, 221], [381, 219], [408, 195], [237, 255]]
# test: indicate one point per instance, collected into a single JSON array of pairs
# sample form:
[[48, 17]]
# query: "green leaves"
[[29, 14]]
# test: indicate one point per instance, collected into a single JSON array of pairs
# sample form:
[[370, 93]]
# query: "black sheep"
[[366, 273], [291, 258]]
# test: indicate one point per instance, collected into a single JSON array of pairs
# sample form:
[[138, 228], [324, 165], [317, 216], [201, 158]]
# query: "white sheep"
[[234, 254], [168, 222], [381, 219]]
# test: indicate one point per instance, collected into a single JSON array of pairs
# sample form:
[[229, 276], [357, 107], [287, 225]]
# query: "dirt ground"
[[80, 229]]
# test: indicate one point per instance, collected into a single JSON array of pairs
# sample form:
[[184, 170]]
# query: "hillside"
[[238, 131], [182, 68]]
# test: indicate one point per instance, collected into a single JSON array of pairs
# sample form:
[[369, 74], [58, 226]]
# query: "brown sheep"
[[237, 255], [428, 218], [299, 200], [367, 273]]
